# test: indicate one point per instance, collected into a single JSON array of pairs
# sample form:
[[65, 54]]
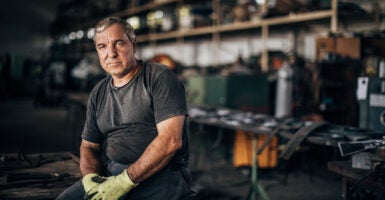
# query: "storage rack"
[[216, 28], [264, 24]]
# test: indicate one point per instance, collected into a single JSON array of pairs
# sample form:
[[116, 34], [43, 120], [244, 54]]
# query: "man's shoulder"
[[102, 82], [154, 70], [101, 85], [152, 67]]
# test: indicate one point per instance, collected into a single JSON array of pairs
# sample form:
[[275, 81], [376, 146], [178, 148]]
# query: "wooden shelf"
[[215, 29], [303, 17], [138, 9], [296, 18]]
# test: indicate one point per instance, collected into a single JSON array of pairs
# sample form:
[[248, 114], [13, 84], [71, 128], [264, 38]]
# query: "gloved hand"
[[114, 187], [90, 181]]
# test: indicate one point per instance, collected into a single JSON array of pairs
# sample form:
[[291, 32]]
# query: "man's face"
[[116, 52]]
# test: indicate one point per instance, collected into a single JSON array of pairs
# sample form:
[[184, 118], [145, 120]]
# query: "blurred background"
[[306, 60]]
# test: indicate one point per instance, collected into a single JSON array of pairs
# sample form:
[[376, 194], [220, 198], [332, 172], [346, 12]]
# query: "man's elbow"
[[175, 144]]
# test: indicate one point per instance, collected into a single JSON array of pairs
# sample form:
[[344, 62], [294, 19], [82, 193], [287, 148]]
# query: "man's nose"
[[111, 51]]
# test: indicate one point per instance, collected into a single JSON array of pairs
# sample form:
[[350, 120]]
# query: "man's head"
[[115, 44]]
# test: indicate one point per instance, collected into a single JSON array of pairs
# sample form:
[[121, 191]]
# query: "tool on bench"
[[349, 148]]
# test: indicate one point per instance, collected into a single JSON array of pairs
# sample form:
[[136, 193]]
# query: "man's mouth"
[[113, 63]]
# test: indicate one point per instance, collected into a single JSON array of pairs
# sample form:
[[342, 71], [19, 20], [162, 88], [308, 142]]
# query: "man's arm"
[[160, 151], [89, 158]]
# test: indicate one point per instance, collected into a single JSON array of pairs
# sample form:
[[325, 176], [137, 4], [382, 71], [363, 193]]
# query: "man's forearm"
[[152, 160], [160, 151], [89, 159]]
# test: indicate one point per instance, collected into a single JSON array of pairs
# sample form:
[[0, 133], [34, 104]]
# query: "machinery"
[[367, 154], [364, 179], [371, 99]]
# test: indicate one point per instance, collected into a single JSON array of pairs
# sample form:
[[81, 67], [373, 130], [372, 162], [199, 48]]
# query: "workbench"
[[319, 133], [37, 176], [224, 118], [354, 178]]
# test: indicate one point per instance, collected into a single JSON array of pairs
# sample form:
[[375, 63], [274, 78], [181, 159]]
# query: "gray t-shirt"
[[124, 119]]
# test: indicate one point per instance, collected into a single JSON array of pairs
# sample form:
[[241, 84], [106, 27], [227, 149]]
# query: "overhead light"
[[79, 34], [66, 39], [90, 33], [72, 36]]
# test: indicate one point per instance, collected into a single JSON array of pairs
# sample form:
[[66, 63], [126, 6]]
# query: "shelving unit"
[[216, 29], [239, 26], [263, 24]]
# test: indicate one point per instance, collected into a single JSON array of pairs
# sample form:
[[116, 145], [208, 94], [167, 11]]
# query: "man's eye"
[[120, 43], [101, 47]]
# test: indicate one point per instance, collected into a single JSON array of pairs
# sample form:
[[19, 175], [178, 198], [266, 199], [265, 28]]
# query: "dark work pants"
[[167, 184]]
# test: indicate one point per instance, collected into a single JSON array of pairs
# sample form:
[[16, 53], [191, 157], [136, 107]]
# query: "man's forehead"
[[114, 31]]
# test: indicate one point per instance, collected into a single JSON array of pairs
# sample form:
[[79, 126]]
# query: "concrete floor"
[[26, 129]]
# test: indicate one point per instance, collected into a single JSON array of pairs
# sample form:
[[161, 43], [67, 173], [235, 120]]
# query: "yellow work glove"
[[113, 188], [89, 182]]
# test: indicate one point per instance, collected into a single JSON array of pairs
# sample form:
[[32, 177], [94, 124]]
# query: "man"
[[134, 142]]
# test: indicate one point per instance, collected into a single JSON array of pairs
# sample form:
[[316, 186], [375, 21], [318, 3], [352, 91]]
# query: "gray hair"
[[107, 22]]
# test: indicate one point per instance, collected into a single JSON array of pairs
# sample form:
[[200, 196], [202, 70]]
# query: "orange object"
[[165, 60], [243, 150]]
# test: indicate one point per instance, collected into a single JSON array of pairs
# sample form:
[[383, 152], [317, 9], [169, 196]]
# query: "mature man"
[[134, 142]]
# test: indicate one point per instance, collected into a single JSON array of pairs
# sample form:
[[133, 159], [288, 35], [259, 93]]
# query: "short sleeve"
[[91, 131], [169, 98]]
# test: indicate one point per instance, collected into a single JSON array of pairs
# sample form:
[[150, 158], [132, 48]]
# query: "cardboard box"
[[345, 47], [349, 47], [324, 45]]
